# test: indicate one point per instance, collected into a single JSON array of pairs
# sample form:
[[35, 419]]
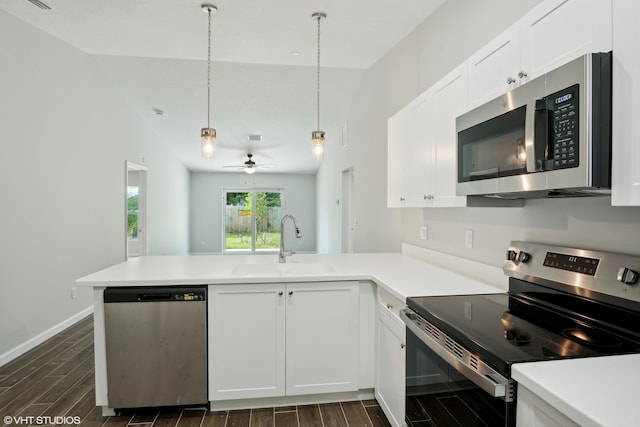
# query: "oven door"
[[438, 394]]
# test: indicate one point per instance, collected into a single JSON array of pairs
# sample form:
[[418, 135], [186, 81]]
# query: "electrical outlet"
[[468, 239], [74, 292], [423, 232]]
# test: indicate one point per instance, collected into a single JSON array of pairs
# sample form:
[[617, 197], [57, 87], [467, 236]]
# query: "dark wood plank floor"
[[55, 382]]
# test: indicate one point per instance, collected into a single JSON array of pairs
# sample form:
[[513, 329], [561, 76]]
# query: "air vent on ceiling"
[[40, 4], [254, 138]]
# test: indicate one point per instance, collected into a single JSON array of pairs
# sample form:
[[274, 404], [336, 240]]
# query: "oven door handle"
[[464, 362]]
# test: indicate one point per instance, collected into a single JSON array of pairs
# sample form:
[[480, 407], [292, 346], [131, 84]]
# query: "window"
[[132, 212], [252, 220]]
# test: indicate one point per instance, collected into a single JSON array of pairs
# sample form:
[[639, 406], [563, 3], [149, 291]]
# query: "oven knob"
[[511, 255], [627, 276], [523, 256]]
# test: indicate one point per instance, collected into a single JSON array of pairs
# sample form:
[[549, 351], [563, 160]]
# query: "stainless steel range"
[[562, 303]]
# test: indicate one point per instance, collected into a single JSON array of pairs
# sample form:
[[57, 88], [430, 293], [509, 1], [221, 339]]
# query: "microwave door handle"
[[533, 165], [490, 171]]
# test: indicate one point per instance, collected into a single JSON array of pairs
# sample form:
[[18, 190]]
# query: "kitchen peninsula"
[[381, 278], [381, 282]]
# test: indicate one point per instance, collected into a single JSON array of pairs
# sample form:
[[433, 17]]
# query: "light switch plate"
[[423, 232]]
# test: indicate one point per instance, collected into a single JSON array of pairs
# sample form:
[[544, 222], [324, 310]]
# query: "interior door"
[[136, 210]]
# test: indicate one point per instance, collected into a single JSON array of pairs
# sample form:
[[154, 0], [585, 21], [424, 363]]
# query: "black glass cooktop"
[[503, 329]]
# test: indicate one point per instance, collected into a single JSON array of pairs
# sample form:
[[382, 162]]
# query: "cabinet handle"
[[402, 199], [510, 80], [429, 197], [402, 345], [522, 74], [280, 293], [290, 293], [389, 306]]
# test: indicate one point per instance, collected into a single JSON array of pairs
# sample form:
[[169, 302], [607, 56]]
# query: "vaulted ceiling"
[[263, 77]]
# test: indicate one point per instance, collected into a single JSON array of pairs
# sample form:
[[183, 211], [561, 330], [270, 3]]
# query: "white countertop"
[[400, 274], [594, 391]]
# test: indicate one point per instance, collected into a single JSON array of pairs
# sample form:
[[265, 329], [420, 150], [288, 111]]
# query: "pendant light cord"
[[318, 76], [209, 74]]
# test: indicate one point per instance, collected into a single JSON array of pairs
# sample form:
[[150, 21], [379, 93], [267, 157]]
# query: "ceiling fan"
[[249, 166]]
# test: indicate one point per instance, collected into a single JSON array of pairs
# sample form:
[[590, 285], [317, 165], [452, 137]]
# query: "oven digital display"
[[573, 263]]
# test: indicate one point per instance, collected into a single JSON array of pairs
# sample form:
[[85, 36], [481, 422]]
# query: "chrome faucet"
[[283, 254]]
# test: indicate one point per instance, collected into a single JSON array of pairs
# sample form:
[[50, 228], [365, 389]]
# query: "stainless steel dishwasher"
[[156, 343]]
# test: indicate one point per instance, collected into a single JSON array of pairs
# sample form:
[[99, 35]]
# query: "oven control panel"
[[578, 264], [608, 273]]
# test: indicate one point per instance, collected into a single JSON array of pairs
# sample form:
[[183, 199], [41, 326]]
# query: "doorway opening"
[[252, 220], [349, 221], [136, 210]]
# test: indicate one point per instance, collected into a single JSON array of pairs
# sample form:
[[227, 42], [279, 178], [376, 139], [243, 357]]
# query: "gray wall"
[[435, 47], [65, 134], [439, 44], [206, 204]]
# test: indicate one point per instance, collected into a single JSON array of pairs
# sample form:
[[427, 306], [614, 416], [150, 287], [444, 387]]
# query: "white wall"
[[435, 47], [65, 135], [440, 43], [206, 205]]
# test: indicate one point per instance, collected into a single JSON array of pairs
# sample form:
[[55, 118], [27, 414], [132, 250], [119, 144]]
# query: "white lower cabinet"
[[532, 411], [269, 340], [247, 341], [390, 364]]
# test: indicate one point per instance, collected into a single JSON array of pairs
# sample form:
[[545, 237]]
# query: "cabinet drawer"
[[390, 302]]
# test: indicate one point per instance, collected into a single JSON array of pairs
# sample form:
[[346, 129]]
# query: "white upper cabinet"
[[422, 137], [422, 146], [551, 34], [625, 186], [557, 31], [397, 129], [495, 68], [450, 101], [420, 151]]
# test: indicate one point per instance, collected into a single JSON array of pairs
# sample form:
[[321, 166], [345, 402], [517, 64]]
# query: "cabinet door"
[[396, 158], [390, 365], [420, 155], [531, 410], [247, 341], [450, 102], [322, 337], [558, 31], [625, 168], [494, 69]]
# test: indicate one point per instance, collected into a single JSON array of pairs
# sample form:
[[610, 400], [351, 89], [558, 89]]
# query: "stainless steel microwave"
[[548, 137]]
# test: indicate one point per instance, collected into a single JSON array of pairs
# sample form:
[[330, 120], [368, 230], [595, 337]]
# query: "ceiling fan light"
[[207, 147], [250, 170]]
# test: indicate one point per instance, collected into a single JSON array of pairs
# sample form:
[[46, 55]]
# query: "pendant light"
[[208, 134], [317, 136]]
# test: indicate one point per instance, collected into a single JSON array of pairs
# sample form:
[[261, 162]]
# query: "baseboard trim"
[[42, 337], [309, 399]]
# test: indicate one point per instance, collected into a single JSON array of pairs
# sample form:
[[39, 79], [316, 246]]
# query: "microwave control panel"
[[564, 145]]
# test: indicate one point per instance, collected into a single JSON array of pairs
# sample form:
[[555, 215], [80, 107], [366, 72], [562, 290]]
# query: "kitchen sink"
[[286, 269]]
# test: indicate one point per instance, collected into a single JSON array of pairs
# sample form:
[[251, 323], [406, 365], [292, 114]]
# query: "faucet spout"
[[282, 257]]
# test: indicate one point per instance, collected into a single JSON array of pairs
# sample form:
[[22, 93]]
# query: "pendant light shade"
[[208, 134], [317, 136]]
